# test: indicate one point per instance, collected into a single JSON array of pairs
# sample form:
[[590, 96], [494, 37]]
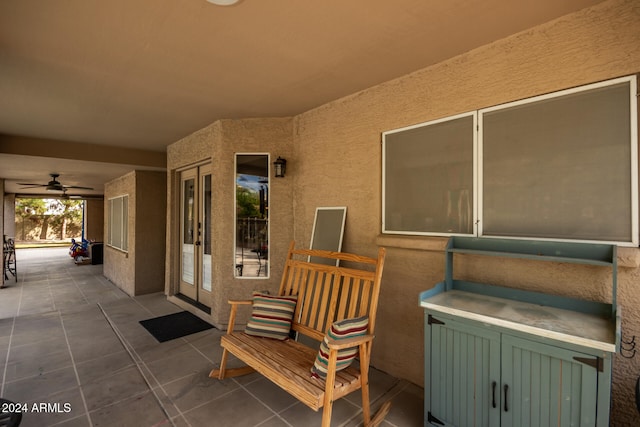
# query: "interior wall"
[[340, 144]]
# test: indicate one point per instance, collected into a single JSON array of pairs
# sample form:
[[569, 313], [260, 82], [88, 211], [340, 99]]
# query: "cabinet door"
[[463, 363], [543, 385]]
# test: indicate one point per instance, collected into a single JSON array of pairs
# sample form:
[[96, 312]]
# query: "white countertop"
[[564, 325]]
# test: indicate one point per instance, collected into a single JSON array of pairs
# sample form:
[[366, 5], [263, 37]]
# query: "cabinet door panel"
[[546, 385], [465, 360]]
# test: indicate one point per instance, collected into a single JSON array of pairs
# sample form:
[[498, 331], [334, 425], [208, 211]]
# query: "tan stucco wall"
[[119, 266], [194, 149], [340, 142], [94, 220], [151, 214], [218, 143], [335, 160], [140, 270], [9, 219]]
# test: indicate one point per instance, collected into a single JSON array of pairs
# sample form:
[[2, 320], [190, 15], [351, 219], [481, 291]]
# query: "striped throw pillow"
[[343, 329], [271, 316]]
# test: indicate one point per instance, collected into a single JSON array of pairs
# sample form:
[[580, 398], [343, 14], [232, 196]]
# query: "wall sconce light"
[[280, 167]]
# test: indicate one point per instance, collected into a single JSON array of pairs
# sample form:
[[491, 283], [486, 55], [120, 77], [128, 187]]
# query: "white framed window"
[[428, 173], [561, 166], [118, 223]]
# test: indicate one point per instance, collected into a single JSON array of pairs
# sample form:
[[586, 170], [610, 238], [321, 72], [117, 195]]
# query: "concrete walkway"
[[75, 355]]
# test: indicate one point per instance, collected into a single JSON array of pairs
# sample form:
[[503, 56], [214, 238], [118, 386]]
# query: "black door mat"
[[172, 326]]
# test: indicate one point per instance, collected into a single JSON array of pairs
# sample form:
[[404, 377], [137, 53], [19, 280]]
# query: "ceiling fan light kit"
[[223, 2]]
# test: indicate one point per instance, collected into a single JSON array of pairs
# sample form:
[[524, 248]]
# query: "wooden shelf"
[[569, 326], [537, 257], [581, 253], [602, 313]]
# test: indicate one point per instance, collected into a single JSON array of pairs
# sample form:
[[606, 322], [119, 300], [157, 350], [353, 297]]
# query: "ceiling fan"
[[54, 185], [67, 196]]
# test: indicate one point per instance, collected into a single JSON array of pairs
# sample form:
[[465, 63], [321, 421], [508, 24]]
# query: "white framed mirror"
[[252, 216]]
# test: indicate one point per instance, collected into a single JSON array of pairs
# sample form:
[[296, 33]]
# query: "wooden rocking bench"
[[325, 294]]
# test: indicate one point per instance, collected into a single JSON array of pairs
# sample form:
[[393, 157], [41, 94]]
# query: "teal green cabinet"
[[503, 357], [464, 363], [545, 385], [478, 376]]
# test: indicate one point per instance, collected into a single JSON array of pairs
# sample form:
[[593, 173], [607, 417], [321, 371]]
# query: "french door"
[[195, 234]]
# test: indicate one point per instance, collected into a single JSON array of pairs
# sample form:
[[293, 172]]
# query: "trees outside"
[[48, 219], [247, 203]]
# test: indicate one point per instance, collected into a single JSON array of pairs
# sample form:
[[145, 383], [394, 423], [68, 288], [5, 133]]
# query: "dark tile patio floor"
[[73, 346]]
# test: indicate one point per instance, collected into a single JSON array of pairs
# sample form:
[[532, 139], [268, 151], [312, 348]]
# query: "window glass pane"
[[109, 222], [125, 223], [116, 218], [117, 235], [559, 167], [428, 180]]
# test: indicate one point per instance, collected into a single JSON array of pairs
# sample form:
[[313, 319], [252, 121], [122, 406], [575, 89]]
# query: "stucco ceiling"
[[145, 73]]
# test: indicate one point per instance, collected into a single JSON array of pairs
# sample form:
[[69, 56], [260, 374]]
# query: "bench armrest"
[[334, 346], [234, 310], [349, 342], [240, 302]]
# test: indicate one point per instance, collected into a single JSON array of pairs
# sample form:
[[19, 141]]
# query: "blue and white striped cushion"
[[271, 316], [343, 329]]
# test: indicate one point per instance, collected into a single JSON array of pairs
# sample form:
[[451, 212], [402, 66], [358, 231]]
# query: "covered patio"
[[71, 339], [153, 112]]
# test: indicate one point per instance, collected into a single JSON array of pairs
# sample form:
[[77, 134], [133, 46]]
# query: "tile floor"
[[75, 355]]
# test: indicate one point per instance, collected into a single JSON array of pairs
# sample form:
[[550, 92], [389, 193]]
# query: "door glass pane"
[[252, 216], [188, 201], [206, 232]]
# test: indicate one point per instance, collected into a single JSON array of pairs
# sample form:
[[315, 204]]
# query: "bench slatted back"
[[327, 293]]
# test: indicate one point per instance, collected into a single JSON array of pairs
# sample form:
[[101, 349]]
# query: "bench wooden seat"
[[326, 293], [287, 364]]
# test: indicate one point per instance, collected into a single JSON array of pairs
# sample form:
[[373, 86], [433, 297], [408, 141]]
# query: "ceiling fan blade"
[[54, 185], [77, 188], [31, 186]]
